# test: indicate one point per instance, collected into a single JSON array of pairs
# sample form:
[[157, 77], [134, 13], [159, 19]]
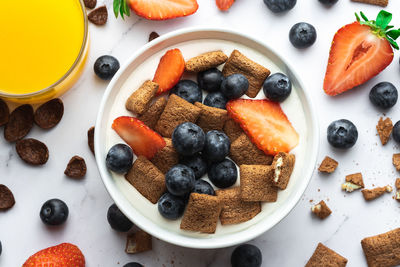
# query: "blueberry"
[[119, 158], [54, 212], [117, 220], [342, 134], [234, 86], [278, 6], [105, 67], [210, 80], [188, 139], [133, 264], [188, 90], [217, 146], [179, 180], [302, 35], [223, 174], [383, 95], [328, 2], [171, 207], [216, 100], [246, 255], [197, 164], [277, 87], [396, 132], [203, 187]]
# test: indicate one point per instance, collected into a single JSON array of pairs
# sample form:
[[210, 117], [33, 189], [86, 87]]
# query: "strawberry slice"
[[64, 254], [265, 123], [169, 70], [143, 140], [163, 9], [224, 5], [359, 51]]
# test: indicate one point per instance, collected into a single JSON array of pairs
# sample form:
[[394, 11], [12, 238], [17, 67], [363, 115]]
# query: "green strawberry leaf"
[[393, 43], [383, 19], [394, 34], [357, 17], [116, 6], [363, 16], [389, 27], [121, 7]]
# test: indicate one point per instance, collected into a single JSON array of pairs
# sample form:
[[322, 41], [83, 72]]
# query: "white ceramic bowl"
[[136, 207]]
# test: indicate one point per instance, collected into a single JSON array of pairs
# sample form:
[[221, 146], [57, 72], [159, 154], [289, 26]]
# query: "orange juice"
[[43, 46]]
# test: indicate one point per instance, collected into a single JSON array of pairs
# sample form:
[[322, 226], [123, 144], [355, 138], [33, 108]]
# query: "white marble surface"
[[291, 242]]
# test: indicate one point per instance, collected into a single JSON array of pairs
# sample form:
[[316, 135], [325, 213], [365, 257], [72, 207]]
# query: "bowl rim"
[[220, 241]]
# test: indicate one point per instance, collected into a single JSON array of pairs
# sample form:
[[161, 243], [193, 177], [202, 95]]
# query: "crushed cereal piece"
[[373, 2], [206, 61], [139, 241], [232, 130], [244, 152], [384, 128], [283, 165], [90, 135], [397, 184], [328, 165], [211, 118], [396, 161], [153, 35], [353, 182], [167, 157], [153, 113], [90, 3], [76, 167], [370, 194], [321, 210], [19, 123], [98, 16], [32, 151], [140, 99], [324, 256], [7, 200], [256, 183], [4, 112]]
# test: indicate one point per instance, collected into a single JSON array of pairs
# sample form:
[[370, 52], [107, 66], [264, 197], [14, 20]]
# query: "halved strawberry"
[[359, 51], [224, 5], [163, 9], [169, 70], [265, 123], [143, 140]]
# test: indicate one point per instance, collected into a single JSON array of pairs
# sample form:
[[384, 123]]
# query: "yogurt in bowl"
[[141, 67]]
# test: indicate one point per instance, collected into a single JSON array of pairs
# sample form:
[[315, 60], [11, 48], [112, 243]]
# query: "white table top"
[[291, 242]]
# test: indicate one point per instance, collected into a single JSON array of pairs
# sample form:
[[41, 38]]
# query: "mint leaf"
[[383, 19], [394, 34]]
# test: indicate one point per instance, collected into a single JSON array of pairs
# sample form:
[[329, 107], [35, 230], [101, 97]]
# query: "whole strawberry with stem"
[[360, 51]]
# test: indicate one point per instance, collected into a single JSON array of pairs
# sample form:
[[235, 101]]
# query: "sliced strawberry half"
[[224, 5], [169, 70], [265, 123], [143, 140], [163, 9]]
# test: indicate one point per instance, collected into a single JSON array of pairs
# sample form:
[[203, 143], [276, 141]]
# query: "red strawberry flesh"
[[163, 9]]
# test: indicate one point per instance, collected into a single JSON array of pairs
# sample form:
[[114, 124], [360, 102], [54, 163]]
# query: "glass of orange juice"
[[44, 47]]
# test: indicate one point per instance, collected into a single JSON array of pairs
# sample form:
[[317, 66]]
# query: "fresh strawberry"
[[143, 140], [63, 255], [163, 9], [265, 123], [169, 70], [359, 51], [224, 5]]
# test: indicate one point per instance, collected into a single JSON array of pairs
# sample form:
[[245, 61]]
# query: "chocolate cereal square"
[[165, 158], [353, 182], [206, 61], [244, 152], [153, 113], [147, 179], [201, 214], [137, 242], [396, 161], [232, 129], [384, 128], [140, 99], [397, 184], [382, 250], [254, 72], [371, 194], [211, 118], [256, 184], [328, 165], [382, 3], [283, 165], [234, 209], [177, 111], [326, 257], [321, 210]]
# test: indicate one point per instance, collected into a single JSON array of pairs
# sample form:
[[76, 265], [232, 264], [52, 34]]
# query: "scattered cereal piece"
[[140, 99], [254, 72], [177, 111], [234, 209], [353, 182], [201, 214], [4, 112], [232, 129], [90, 3], [76, 167], [19, 124], [321, 210], [396, 161], [139, 241], [244, 152], [206, 61], [328, 165], [384, 128], [90, 135], [211, 118], [7, 200], [49, 114], [371, 194], [382, 250], [153, 35], [256, 183], [147, 179], [373, 2], [324, 256], [32, 151], [153, 113], [283, 165], [167, 157], [397, 184], [98, 16]]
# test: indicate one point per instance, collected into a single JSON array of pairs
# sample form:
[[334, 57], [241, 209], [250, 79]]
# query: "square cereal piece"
[[234, 209], [201, 214], [206, 61], [254, 72], [177, 111], [353, 182], [382, 250], [165, 158], [326, 257], [153, 113], [384, 128], [321, 210], [371, 194], [140, 99], [397, 184], [283, 165], [147, 179], [373, 2], [328, 165], [211, 118], [138, 242], [256, 183], [396, 161], [232, 129], [244, 152]]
